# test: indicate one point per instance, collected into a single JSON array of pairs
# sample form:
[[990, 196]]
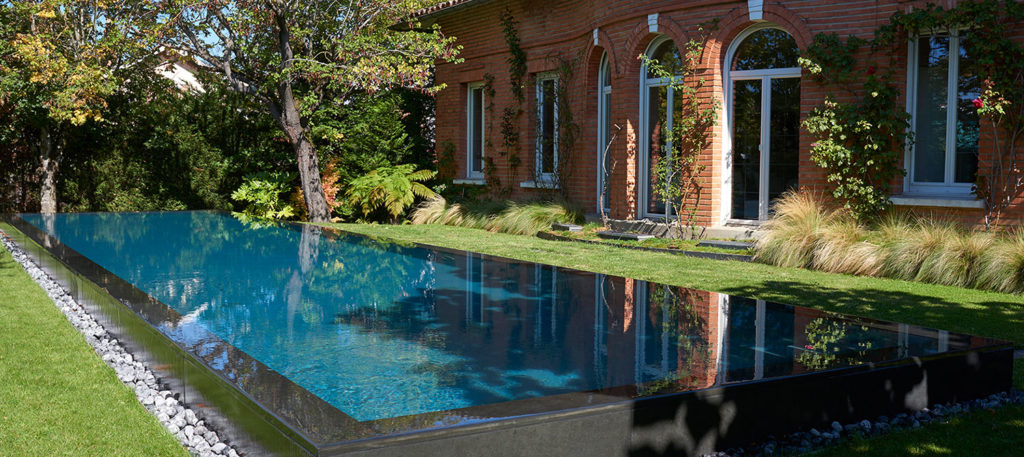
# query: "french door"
[[765, 109]]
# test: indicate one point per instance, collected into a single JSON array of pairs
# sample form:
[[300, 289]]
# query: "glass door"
[[764, 112]]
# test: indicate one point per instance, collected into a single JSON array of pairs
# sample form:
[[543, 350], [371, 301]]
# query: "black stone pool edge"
[[688, 423]]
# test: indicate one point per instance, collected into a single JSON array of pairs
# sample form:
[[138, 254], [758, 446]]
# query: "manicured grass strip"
[[56, 396], [950, 308]]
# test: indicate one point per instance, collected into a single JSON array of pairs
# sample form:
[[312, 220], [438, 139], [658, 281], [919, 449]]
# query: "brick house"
[[759, 149]]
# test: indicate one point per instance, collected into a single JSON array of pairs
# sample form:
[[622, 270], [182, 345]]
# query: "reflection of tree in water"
[[830, 344], [677, 311]]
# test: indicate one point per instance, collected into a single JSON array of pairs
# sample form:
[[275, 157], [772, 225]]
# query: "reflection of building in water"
[[605, 331], [764, 340]]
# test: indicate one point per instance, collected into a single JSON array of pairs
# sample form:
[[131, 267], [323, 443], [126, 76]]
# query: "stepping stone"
[[736, 245], [1019, 354], [624, 236], [566, 227]]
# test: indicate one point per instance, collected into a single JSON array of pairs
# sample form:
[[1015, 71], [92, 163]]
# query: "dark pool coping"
[[292, 415]]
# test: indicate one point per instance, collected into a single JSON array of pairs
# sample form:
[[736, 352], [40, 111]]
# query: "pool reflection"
[[381, 330]]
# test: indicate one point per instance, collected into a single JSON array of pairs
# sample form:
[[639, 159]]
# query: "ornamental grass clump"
[[842, 247], [790, 236], [506, 217], [807, 232], [905, 257], [956, 261], [1003, 264]]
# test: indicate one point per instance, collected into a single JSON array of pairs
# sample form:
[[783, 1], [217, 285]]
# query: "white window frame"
[[545, 179], [470, 124], [604, 90], [948, 187], [645, 144]]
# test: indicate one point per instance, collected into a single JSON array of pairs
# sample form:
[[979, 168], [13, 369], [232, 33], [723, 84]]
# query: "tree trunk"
[[291, 121], [309, 176], [50, 157]]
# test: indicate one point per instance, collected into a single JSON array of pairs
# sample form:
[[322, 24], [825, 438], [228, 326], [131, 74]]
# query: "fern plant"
[[261, 192], [388, 189]]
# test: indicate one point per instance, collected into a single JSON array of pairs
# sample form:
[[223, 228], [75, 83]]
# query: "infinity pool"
[[382, 331]]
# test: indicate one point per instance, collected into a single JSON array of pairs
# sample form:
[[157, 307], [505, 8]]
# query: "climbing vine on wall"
[[998, 62], [860, 137], [511, 115], [568, 129], [677, 170]]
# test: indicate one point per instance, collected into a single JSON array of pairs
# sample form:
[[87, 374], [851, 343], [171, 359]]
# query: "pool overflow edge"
[[688, 423]]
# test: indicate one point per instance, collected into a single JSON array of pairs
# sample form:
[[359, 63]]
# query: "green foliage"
[[363, 135], [298, 59], [859, 141], [388, 190], [807, 232], [677, 170], [829, 345], [263, 193], [496, 216]]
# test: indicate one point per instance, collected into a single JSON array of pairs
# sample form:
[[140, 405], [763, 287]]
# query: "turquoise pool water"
[[382, 330]]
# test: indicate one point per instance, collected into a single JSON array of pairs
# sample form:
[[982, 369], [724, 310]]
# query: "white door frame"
[[766, 76]]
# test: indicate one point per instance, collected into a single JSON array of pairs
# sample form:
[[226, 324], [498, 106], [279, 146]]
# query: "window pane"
[[967, 120], [548, 121], [930, 118], [476, 148], [766, 48], [606, 74], [784, 156], [746, 149], [657, 135], [667, 54]]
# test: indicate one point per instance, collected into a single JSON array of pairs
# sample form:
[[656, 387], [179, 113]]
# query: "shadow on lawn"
[[995, 319]]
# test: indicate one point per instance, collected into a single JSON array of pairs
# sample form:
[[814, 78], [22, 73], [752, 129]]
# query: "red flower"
[[871, 70], [978, 103]]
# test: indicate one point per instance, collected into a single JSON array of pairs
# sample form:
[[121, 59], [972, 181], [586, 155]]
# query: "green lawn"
[[56, 396], [965, 310]]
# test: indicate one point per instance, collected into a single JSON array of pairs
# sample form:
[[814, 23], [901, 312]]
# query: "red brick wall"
[[550, 31]]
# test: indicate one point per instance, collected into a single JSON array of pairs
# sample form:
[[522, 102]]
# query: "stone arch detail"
[[641, 37]]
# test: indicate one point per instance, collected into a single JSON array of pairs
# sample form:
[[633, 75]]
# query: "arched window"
[[764, 119], [604, 127], [657, 118], [766, 49]]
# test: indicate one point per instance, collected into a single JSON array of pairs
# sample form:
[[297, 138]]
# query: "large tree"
[[298, 56], [59, 62]]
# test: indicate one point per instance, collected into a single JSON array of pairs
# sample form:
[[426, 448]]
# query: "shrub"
[[262, 193], [519, 218], [388, 190]]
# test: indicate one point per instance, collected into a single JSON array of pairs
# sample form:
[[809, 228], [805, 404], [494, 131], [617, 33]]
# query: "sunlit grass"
[[56, 396]]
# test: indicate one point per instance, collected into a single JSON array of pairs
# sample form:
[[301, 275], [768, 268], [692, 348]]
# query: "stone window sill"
[[538, 185], [937, 201], [470, 181]]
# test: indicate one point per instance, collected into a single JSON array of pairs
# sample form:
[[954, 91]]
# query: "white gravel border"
[[190, 430]]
